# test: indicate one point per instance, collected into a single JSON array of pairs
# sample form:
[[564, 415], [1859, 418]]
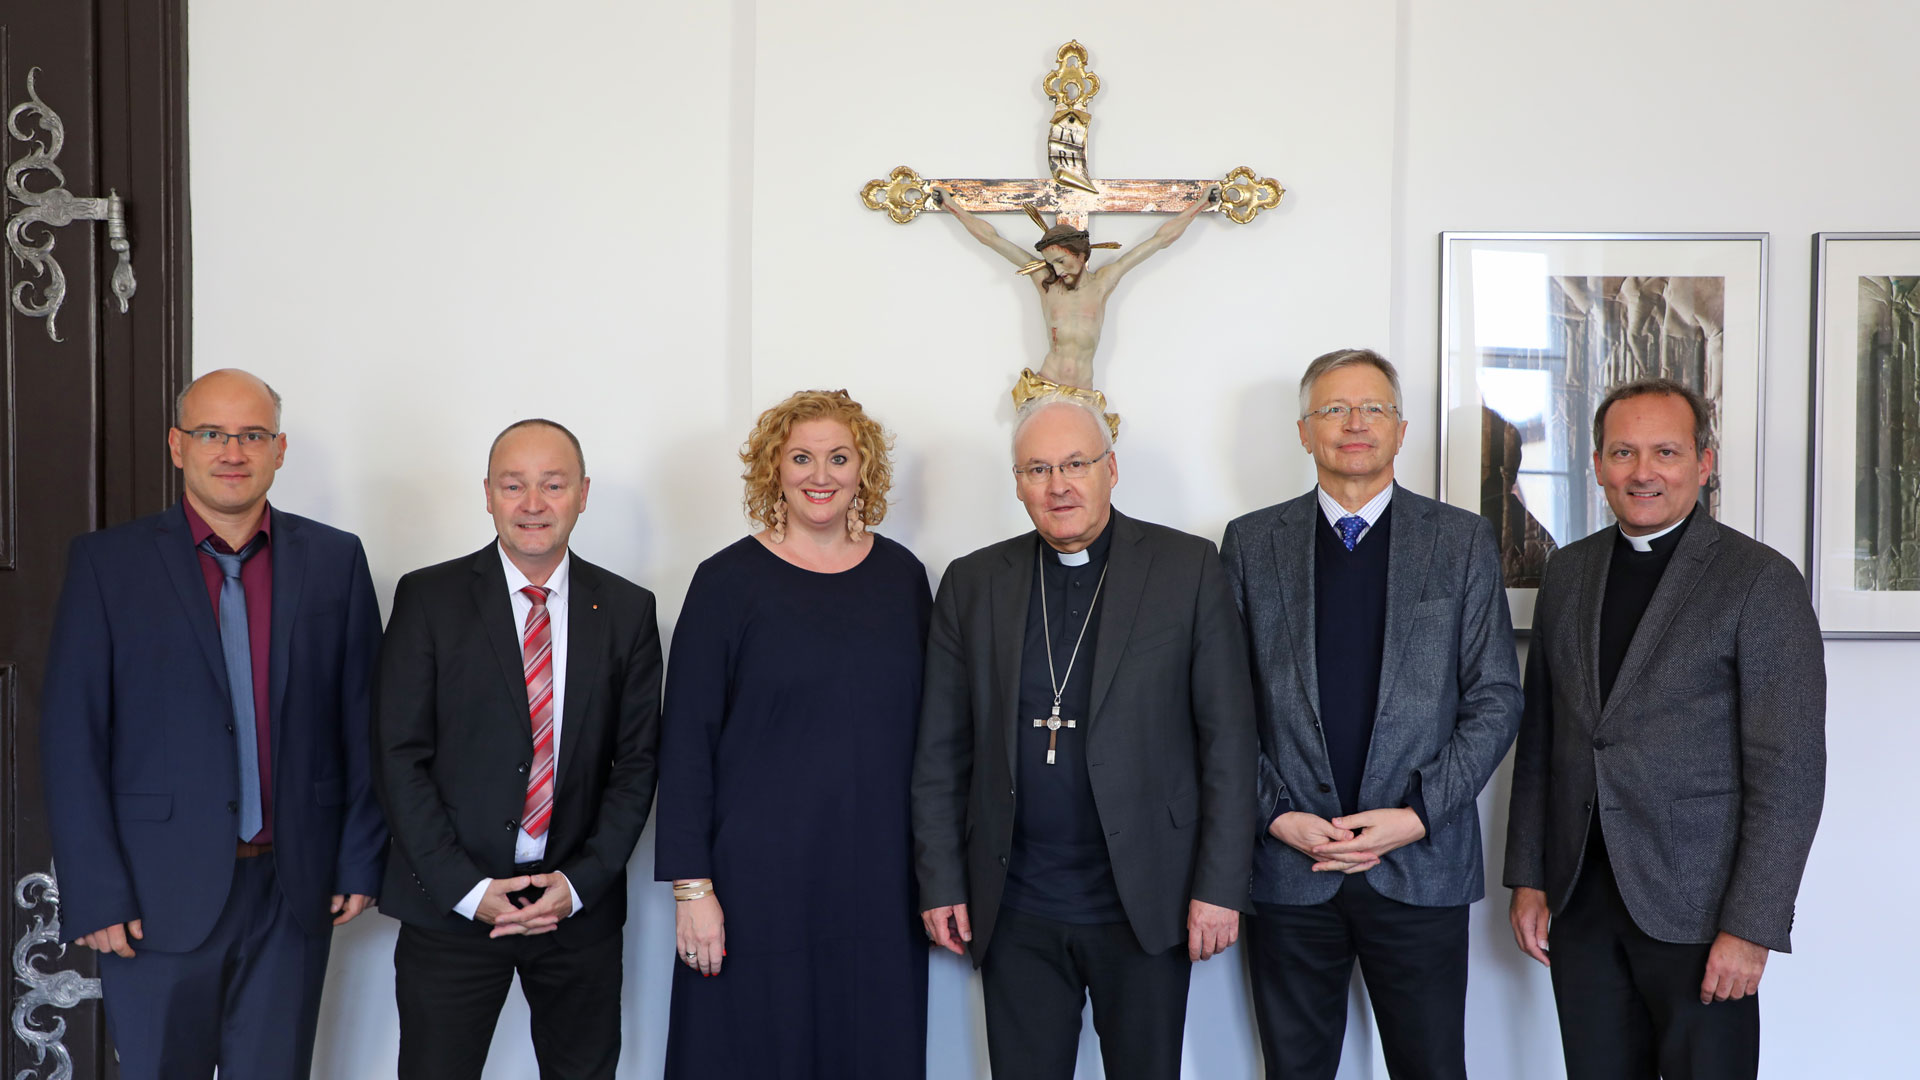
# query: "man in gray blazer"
[[1085, 765], [1388, 691], [1672, 761]]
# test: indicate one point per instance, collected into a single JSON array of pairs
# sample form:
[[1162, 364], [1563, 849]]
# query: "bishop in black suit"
[[1083, 785]]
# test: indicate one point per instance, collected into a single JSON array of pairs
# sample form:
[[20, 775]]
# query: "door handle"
[[54, 208]]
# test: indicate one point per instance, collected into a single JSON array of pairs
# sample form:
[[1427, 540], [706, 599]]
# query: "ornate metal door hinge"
[[49, 989], [52, 209]]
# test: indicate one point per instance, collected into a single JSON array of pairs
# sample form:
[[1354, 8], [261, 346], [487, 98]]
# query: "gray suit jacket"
[[1449, 693], [1708, 762], [1170, 742]]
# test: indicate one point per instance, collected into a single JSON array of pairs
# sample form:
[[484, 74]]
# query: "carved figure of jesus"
[[1073, 299]]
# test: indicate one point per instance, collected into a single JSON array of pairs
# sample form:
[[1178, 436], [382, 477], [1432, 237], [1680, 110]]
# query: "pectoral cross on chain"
[[1053, 724]]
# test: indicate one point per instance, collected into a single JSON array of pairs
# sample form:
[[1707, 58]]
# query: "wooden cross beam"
[[1071, 192]]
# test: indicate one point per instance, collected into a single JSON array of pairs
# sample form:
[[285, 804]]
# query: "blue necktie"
[[238, 650], [1350, 528]]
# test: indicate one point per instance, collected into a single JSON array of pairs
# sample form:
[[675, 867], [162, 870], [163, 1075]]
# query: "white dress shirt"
[[527, 848], [1369, 513]]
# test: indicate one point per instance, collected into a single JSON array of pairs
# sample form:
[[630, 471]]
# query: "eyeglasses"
[[1072, 470], [1372, 412], [210, 439]]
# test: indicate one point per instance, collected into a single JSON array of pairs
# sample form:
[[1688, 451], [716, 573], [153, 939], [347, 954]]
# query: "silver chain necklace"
[[1053, 723]]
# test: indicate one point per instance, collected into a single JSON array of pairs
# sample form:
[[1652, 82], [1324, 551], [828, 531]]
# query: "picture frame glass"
[[1864, 539], [1537, 327]]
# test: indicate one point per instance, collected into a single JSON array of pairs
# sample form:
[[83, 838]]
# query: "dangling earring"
[[856, 524], [779, 531]]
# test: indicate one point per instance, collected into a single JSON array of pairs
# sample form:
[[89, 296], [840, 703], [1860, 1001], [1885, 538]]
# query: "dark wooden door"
[[83, 419]]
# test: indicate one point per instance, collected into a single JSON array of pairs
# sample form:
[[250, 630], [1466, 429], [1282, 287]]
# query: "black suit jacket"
[[1170, 741], [453, 744]]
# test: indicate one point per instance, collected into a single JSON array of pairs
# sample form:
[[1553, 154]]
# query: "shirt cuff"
[[470, 903], [575, 893]]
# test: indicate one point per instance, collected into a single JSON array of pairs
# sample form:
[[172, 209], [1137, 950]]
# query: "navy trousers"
[[247, 1000]]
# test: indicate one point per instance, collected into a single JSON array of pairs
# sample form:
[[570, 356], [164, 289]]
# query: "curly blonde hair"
[[761, 452]]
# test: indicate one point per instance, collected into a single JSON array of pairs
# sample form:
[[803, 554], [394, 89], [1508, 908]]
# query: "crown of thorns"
[[1059, 235]]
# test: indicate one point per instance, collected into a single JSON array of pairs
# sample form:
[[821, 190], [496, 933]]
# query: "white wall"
[[422, 220]]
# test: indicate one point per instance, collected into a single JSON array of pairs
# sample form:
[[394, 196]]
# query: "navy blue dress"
[[786, 753]]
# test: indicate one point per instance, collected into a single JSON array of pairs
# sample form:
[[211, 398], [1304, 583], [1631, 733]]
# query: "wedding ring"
[[691, 954]]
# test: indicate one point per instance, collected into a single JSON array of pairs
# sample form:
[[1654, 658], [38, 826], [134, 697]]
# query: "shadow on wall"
[[1264, 442]]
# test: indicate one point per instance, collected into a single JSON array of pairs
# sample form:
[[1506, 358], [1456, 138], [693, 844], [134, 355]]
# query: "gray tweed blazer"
[[1707, 765], [1449, 693]]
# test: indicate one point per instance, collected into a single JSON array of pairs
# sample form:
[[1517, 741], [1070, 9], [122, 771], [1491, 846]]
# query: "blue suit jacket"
[[1449, 693], [136, 751]]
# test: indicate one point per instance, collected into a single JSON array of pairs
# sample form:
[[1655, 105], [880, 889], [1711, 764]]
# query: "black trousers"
[[1036, 980], [451, 986], [1629, 1005], [1414, 960], [247, 999]]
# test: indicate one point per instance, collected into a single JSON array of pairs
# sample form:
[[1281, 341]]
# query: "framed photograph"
[[1536, 327], [1863, 553]]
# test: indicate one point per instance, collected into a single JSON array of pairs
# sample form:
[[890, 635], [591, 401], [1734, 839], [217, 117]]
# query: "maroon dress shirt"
[[256, 576]]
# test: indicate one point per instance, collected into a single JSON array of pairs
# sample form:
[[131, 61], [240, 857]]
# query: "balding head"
[[224, 383]]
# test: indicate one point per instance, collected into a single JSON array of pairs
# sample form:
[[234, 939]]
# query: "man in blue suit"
[[206, 752], [1387, 691]]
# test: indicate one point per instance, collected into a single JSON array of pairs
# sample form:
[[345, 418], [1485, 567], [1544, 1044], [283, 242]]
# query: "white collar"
[[1077, 558], [1645, 543], [556, 585], [1369, 513]]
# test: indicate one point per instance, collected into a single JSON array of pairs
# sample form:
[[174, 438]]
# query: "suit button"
[[1599, 744], [521, 768], [233, 808], [1003, 860], [229, 729], [512, 824], [1324, 788]]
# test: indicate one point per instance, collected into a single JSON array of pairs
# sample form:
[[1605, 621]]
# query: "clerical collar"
[[1093, 551], [1644, 544]]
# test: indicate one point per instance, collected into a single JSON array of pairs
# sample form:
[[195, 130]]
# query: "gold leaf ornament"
[[1070, 85], [902, 194], [1243, 195]]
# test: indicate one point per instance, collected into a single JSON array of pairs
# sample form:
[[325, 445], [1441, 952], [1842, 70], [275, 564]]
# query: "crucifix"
[[1072, 297], [1053, 724]]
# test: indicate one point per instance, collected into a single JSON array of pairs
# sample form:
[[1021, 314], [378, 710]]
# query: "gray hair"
[[180, 399], [1039, 403], [1341, 358], [1702, 412]]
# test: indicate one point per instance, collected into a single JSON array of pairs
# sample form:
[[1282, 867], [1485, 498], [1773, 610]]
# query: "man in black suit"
[[516, 722], [1083, 785], [1671, 765]]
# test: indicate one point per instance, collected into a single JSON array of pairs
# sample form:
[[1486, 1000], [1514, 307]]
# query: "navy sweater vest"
[[1350, 635]]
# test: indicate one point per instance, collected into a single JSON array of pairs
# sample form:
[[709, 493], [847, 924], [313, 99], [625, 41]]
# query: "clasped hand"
[[510, 915], [1350, 844]]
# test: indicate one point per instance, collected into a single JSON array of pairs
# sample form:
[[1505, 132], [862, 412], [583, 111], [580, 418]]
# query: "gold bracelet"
[[692, 896]]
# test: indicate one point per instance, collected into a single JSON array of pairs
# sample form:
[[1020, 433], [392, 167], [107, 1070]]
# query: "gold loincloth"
[[1031, 386]]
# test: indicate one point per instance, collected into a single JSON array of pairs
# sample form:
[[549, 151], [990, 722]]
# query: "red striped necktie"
[[536, 653]]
